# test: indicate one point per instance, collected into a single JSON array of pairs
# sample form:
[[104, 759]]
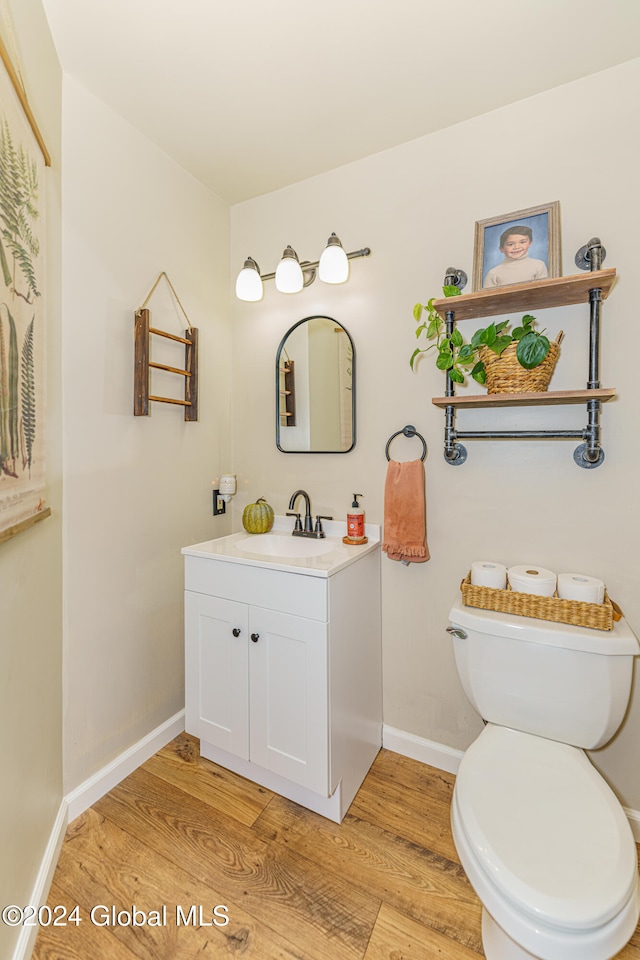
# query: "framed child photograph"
[[517, 247]]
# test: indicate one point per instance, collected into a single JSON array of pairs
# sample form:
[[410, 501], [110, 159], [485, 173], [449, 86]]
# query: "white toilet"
[[544, 841]]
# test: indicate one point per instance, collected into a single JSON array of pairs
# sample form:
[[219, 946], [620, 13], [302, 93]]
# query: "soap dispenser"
[[355, 522]]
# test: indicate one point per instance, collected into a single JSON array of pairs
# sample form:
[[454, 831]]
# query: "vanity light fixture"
[[291, 275]]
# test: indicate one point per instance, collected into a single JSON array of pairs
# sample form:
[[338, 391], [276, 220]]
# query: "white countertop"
[[236, 548]]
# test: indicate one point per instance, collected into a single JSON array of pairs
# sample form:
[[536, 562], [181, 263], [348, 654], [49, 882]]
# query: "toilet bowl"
[[547, 848], [543, 839]]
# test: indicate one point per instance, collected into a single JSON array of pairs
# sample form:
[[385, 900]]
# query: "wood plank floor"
[[181, 832]]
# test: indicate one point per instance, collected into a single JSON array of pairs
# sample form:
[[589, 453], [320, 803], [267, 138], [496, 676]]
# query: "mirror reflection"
[[315, 388]]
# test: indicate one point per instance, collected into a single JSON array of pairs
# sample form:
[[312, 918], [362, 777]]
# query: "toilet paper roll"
[[577, 586], [528, 578], [486, 573]]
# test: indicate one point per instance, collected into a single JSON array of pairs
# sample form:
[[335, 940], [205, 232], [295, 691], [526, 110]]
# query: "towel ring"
[[408, 431]]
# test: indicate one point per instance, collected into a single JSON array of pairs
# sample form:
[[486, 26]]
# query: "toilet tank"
[[553, 680]]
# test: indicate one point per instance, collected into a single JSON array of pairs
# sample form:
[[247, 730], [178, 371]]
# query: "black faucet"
[[308, 524], [308, 530]]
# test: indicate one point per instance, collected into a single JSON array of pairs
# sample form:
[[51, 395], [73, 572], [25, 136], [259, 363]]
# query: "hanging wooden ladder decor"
[[143, 363]]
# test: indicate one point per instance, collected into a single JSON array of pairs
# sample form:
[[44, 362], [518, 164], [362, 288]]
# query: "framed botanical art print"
[[22, 314], [518, 247]]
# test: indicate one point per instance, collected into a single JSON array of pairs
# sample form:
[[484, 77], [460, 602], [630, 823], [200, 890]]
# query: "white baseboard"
[[27, 938], [446, 758], [110, 776], [79, 800], [417, 748]]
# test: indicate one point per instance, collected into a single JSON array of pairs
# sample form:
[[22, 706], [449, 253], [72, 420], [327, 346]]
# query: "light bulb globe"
[[334, 265], [249, 282], [289, 277]]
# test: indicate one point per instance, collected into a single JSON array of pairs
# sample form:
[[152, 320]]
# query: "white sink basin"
[[279, 550], [272, 545]]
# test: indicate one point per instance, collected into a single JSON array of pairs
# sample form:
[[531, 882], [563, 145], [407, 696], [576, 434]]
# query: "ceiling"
[[253, 95]]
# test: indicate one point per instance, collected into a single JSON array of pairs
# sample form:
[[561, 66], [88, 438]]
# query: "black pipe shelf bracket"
[[540, 294]]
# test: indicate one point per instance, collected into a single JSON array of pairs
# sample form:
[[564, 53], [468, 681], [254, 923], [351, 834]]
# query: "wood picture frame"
[[503, 259]]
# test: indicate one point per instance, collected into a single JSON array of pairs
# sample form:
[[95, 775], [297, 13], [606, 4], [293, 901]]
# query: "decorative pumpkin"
[[257, 517]]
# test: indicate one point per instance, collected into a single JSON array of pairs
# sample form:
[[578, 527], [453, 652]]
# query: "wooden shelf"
[[525, 399], [526, 298], [539, 295]]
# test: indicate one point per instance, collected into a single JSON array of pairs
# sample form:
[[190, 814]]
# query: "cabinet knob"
[[255, 637], [236, 631]]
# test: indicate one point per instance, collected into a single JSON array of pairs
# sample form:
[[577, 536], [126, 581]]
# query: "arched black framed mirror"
[[316, 388]]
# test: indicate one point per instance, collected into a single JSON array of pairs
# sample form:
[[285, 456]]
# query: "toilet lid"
[[545, 828]]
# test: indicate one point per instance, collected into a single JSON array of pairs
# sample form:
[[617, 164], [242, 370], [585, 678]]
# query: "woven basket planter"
[[505, 375]]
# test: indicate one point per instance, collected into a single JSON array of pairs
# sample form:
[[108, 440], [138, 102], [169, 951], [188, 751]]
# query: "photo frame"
[[23, 158], [500, 261]]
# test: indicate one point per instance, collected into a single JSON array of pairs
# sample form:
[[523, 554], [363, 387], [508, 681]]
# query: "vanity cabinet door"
[[288, 670], [217, 674]]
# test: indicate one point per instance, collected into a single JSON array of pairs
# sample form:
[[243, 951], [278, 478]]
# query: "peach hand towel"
[[405, 526]]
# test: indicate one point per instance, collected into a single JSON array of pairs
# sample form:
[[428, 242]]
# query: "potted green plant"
[[521, 347]]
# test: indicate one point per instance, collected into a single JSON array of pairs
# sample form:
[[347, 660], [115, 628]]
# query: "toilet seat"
[[545, 843]]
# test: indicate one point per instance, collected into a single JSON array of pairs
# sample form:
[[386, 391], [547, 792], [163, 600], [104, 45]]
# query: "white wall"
[[137, 489], [518, 501], [30, 564]]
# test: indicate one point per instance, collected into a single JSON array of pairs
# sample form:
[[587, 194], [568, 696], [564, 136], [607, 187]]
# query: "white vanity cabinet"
[[283, 674], [262, 686]]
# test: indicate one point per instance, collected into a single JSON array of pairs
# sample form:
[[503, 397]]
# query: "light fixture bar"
[[306, 265]]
